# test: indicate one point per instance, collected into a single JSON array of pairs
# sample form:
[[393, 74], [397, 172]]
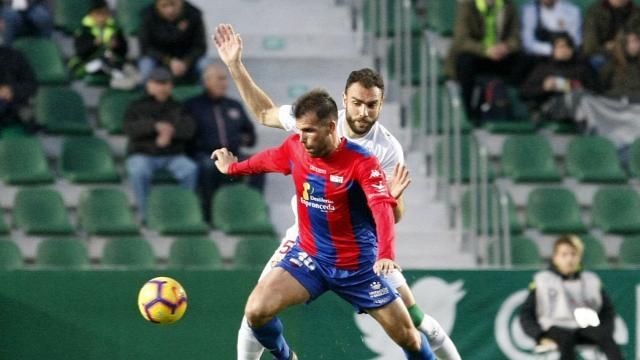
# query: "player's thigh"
[[275, 292], [395, 320], [397, 281]]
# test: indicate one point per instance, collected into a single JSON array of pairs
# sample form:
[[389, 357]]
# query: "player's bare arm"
[[398, 182], [223, 158], [229, 46]]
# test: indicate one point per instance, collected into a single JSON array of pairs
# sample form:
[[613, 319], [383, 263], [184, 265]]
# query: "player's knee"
[[257, 313], [408, 338]]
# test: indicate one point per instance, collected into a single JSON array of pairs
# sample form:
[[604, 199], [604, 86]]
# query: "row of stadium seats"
[[136, 252], [172, 210], [68, 14]]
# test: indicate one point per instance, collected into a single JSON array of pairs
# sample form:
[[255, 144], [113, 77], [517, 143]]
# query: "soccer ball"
[[162, 300]]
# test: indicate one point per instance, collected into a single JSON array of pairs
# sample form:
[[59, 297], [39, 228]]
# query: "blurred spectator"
[[621, 75], [26, 17], [17, 86], [486, 40], [172, 35], [101, 48], [603, 21], [549, 313], [158, 129], [550, 85], [220, 122], [541, 19]]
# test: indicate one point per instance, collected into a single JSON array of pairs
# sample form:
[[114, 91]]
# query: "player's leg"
[[395, 320], [439, 341]]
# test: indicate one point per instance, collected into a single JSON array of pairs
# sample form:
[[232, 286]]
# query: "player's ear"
[[344, 99]]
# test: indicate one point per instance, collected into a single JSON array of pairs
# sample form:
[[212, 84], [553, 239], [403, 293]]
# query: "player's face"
[[362, 107], [566, 259], [315, 136]]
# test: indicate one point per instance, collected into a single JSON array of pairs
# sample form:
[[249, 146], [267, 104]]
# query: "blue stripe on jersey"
[[318, 218], [357, 148], [362, 223]]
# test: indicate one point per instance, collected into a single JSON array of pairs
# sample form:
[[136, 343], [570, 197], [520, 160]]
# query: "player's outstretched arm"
[[399, 181], [229, 46]]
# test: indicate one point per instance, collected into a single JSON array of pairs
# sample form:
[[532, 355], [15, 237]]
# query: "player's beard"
[[361, 126]]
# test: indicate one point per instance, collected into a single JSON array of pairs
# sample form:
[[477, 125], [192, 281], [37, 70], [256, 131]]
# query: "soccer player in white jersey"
[[358, 122]]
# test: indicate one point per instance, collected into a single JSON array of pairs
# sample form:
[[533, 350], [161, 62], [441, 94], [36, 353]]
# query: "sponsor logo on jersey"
[[375, 174], [315, 202], [336, 179], [317, 169]]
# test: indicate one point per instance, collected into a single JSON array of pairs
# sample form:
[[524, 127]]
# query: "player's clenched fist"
[[223, 158]]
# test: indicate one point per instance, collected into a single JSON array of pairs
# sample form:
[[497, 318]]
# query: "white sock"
[[439, 341], [248, 347]]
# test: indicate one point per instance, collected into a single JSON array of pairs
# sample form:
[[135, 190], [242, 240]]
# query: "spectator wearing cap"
[[158, 130], [172, 35], [26, 17], [220, 122]]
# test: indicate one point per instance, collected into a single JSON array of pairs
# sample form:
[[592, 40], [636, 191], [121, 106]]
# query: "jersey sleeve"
[[373, 182], [287, 120], [393, 156], [275, 159]]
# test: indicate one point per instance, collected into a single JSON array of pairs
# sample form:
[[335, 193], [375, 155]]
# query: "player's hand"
[[399, 181], [223, 158], [228, 43], [385, 267]]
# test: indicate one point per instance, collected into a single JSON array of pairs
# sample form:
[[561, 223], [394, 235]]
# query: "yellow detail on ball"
[[162, 300]]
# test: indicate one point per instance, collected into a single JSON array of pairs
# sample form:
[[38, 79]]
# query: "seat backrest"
[[237, 203], [172, 204], [629, 253], [4, 228], [466, 204], [23, 158], [10, 255], [552, 205], [467, 142], [526, 151], [129, 14], [62, 253], [68, 14], [594, 255], [524, 252], [86, 153], [194, 252], [591, 152], [130, 252], [634, 158], [184, 92], [45, 58], [112, 107], [617, 207], [40, 207], [252, 252], [441, 16], [73, 120], [102, 207]]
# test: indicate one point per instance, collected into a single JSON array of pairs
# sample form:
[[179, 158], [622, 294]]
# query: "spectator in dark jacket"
[[27, 17], [550, 81], [172, 35], [549, 313], [158, 129], [17, 86], [220, 122], [620, 76]]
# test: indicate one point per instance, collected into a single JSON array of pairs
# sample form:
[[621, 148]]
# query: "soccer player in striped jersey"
[[363, 98], [346, 230]]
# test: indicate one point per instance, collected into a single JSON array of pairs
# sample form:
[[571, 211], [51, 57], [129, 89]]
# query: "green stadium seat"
[[441, 16], [520, 123], [106, 211], [594, 159], [240, 209], [41, 211], [129, 14], [4, 228], [45, 58], [10, 255], [73, 120], [634, 158], [253, 252], [418, 23], [198, 252], [184, 92], [594, 253], [87, 160], [130, 252], [524, 252], [68, 14], [529, 158], [23, 162], [112, 107], [616, 210], [172, 209], [553, 211], [629, 253], [514, 224], [63, 253], [415, 60], [465, 124], [467, 142]]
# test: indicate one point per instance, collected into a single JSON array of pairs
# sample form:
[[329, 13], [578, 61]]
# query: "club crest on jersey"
[[307, 190], [375, 174], [336, 179]]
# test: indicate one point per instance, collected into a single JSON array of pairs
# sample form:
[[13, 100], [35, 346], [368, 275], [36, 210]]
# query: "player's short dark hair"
[[366, 77], [316, 101]]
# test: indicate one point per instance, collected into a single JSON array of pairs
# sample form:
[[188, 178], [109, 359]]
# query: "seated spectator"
[[541, 19], [621, 75], [101, 48], [603, 21], [220, 122], [158, 130], [26, 17], [486, 40], [549, 82], [17, 86], [172, 35], [549, 313]]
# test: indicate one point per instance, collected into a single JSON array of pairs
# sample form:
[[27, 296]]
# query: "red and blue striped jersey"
[[344, 205]]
